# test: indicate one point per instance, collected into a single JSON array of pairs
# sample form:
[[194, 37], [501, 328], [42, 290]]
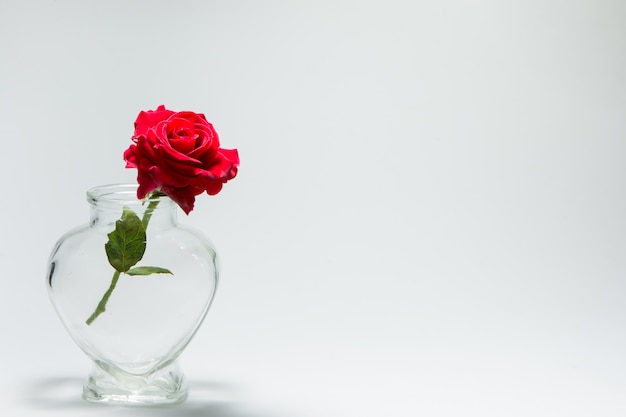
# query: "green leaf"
[[147, 270], [127, 243]]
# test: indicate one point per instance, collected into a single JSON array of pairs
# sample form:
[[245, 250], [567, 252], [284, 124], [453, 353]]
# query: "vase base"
[[167, 386]]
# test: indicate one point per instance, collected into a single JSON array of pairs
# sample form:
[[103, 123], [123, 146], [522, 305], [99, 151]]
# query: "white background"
[[429, 219]]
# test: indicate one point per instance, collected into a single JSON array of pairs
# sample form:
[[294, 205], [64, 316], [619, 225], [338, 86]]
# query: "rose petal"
[[146, 184], [147, 119], [184, 197], [130, 156], [213, 188]]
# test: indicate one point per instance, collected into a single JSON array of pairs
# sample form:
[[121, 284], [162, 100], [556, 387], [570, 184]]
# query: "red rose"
[[179, 154]]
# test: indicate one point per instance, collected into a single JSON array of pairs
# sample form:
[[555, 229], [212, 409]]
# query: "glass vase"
[[133, 326]]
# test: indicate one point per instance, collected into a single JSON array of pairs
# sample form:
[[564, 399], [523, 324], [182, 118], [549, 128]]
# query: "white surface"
[[429, 218]]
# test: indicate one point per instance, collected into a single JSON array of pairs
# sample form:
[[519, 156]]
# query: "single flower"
[[179, 154]]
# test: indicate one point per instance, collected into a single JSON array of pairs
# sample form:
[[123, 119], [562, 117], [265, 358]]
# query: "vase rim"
[[125, 194]]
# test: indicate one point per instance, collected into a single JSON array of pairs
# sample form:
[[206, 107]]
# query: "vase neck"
[[109, 202]]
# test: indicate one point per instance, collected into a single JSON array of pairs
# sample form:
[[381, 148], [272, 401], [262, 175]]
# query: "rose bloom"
[[179, 154]]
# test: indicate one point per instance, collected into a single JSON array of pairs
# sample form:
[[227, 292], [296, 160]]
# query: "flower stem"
[[145, 219], [102, 304], [101, 308]]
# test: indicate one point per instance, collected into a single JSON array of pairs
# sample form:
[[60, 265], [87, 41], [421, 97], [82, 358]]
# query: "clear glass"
[[148, 320]]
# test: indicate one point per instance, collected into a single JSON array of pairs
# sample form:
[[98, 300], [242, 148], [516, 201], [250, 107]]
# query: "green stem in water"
[[101, 308]]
